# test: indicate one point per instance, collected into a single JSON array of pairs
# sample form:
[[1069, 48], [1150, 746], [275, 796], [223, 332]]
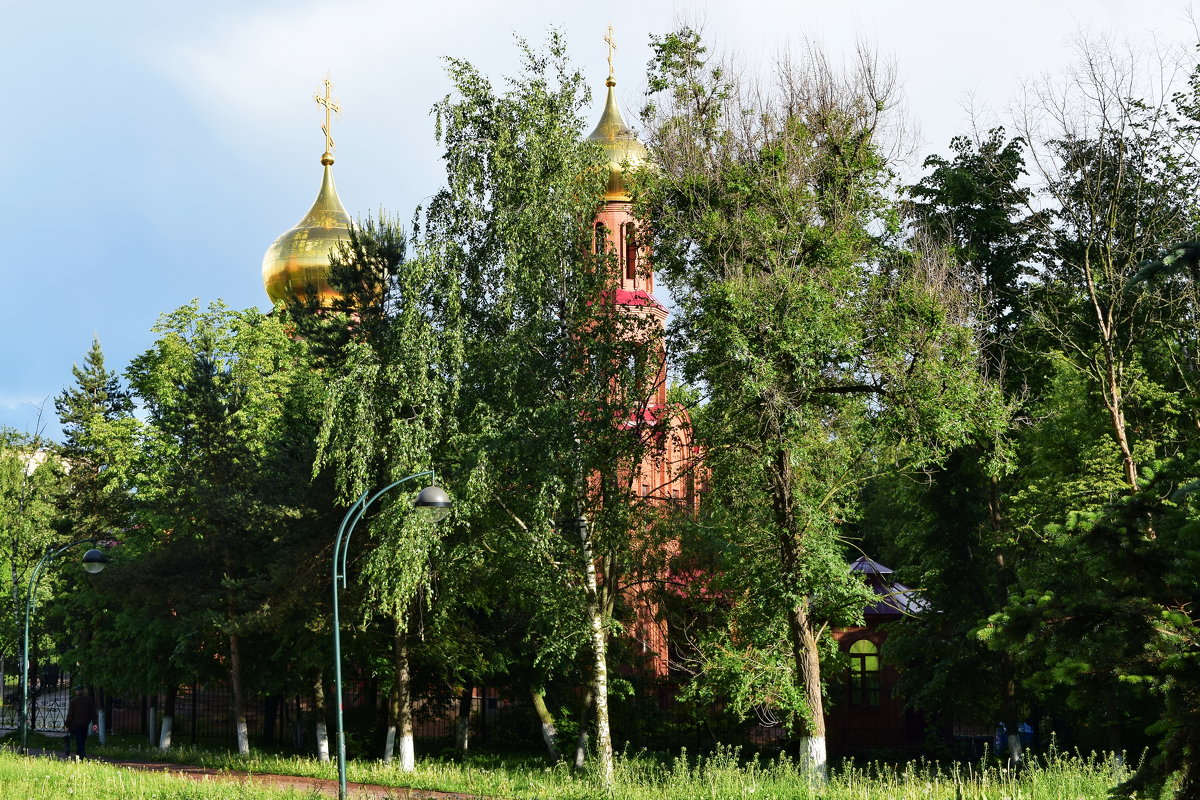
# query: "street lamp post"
[[93, 562], [433, 501]]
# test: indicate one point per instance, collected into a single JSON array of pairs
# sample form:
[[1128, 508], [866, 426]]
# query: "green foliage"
[[99, 430], [977, 205], [825, 355], [31, 482], [551, 420], [216, 485]]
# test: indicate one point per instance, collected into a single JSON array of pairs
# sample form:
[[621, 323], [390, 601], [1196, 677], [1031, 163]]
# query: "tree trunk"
[[595, 617], [168, 720], [806, 657], [389, 741], [408, 757], [813, 757], [462, 726], [1008, 661], [239, 695], [321, 712], [1110, 382], [549, 732], [1112, 720], [581, 742], [152, 719]]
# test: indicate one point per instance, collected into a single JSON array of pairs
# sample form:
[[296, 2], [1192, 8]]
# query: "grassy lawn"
[[23, 778], [720, 776]]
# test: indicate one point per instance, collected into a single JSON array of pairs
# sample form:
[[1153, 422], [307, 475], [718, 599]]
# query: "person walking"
[[81, 713]]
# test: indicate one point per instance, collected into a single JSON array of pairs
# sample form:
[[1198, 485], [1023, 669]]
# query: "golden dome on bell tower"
[[296, 265], [616, 138]]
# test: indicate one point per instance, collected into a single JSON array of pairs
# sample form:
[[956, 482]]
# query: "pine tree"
[[98, 426]]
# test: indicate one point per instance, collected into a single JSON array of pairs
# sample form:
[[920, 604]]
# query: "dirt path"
[[356, 791]]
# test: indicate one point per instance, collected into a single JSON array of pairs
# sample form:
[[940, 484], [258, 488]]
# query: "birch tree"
[[390, 351], [553, 397]]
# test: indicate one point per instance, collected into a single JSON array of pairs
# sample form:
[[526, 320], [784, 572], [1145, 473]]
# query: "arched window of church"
[[601, 237], [864, 673], [631, 250]]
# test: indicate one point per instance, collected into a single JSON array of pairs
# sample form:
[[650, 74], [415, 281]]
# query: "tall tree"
[[827, 358], [976, 204], [390, 349], [951, 533], [98, 426], [554, 393], [213, 386], [1113, 162]]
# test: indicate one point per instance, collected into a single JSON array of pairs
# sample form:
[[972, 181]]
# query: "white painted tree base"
[[322, 743], [243, 737], [550, 738], [813, 758], [389, 744], [1015, 755], [164, 738], [408, 753]]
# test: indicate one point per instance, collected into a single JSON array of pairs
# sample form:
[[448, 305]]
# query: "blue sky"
[[151, 151]]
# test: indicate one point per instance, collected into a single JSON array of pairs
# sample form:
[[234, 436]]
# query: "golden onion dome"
[[620, 145], [296, 265]]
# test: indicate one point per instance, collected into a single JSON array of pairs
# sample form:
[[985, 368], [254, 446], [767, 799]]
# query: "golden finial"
[[330, 107], [612, 45]]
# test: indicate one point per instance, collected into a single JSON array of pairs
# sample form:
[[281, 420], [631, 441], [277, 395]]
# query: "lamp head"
[[434, 501], [94, 560]]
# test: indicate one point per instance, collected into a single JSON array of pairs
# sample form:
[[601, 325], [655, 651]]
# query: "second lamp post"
[[433, 501]]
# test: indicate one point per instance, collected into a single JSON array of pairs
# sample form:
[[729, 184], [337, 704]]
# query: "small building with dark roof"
[[865, 716]]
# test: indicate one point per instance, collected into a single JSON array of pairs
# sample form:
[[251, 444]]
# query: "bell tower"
[[616, 230], [665, 479]]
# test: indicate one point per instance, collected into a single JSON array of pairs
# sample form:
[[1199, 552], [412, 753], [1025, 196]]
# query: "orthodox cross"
[[612, 45], [330, 106]]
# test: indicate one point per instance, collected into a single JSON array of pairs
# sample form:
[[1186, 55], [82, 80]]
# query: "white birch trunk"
[[599, 655], [100, 721], [152, 724]]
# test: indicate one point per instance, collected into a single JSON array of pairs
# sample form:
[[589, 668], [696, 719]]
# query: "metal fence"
[[49, 694]]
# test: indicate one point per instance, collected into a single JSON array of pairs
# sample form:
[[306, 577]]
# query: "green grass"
[[37, 778], [719, 776]]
